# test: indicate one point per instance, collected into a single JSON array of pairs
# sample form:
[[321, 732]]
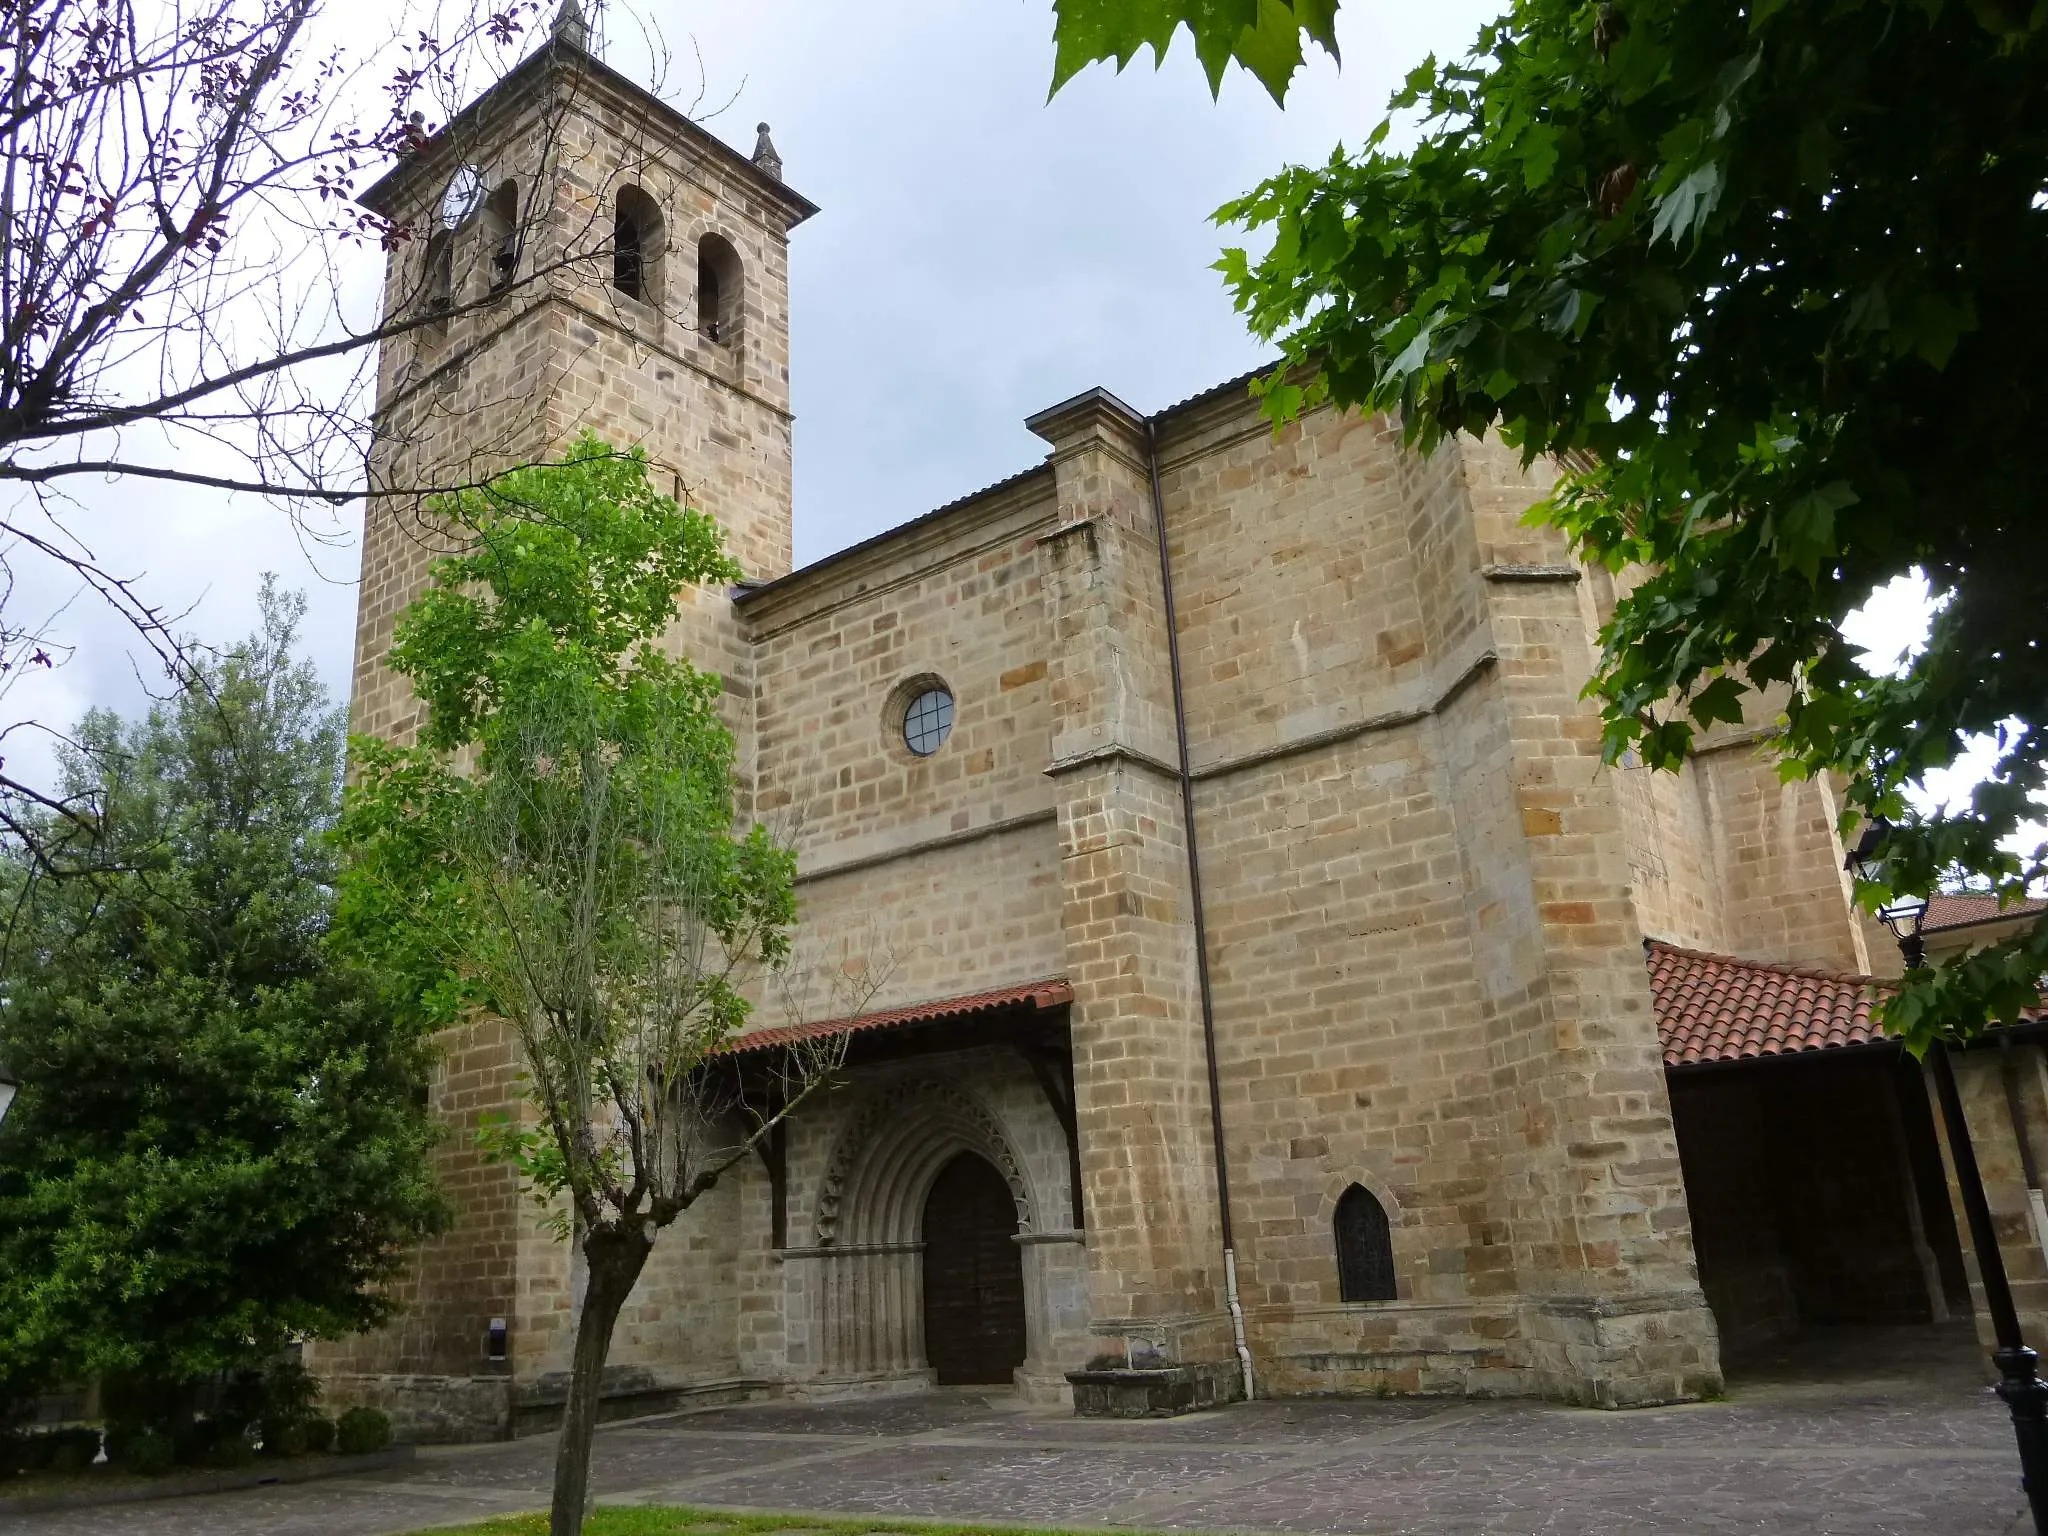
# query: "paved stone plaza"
[[1897, 1438]]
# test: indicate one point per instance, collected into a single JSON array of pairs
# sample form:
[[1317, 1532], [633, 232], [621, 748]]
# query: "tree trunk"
[[615, 1260]]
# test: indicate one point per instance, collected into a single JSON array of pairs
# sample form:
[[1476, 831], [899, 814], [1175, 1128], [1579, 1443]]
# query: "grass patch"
[[671, 1520], [40, 1485], [110, 1478]]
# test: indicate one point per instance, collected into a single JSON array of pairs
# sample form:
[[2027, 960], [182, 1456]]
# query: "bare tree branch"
[[192, 292]]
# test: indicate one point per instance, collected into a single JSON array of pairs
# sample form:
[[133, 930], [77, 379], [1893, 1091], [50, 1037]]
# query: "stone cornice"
[[564, 61], [1112, 752], [1092, 413], [922, 845], [1386, 720]]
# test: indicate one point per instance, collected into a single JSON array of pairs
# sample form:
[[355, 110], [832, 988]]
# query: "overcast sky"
[[981, 254]]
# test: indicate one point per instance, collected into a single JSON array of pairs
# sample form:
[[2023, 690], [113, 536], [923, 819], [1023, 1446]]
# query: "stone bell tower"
[[578, 254]]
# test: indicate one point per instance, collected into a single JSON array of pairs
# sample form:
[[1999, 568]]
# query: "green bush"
[[144, 1451], [362, 1430], [191, 1441], [30, 1452], [231, 1446], [282, 1398], [72, 1449], [319, 1434], [214, 1440], [284, 1437], [188, 977], [284, 1391]]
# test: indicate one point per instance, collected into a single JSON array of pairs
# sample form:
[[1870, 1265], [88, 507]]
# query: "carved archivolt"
[[940, 1116]]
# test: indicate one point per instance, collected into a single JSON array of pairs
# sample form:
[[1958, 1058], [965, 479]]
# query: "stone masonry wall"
[[958, 918], [1994, 1138], [1725, 857], [939, 871], [1428, 977], [1140, 1076], [1589, 1160], [1352, 1045], [1778, 863], [1673, 871], [458, 1282]]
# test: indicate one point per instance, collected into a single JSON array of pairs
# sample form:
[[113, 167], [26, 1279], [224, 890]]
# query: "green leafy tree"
[[220, 1144], [560, 851], [1767, 279], [1262, 36]]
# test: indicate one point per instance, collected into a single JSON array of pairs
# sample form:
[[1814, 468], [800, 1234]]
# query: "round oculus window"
[[928, 721]]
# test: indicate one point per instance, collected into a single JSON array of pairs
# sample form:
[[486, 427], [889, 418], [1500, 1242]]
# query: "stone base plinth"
[[1155, 1393], [425, 1408], [458, 1410], [1043, 1389], [629, 1392], [1625, 1352]]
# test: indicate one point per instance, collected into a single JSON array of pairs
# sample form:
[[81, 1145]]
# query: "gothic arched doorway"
[[973, 1276]]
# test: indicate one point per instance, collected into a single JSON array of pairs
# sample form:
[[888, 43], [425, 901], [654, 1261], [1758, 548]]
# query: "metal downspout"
[[1187, 812]]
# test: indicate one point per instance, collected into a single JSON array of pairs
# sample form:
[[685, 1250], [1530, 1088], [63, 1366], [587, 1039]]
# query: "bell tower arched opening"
[[637, 246], [719, 278]]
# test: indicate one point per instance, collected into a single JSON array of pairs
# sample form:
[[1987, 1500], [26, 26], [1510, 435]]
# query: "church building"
[[1281, 996]]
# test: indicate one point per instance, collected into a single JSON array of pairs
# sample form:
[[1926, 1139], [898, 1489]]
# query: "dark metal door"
[[973, 1276]]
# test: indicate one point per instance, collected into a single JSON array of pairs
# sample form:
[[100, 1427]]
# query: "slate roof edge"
[[748, 592], [558, 53]]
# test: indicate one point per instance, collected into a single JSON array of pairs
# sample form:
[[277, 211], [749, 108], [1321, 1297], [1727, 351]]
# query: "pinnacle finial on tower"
[[764, 154], [571, 27]]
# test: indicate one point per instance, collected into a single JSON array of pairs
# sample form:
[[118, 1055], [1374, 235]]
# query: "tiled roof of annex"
[[1718, 1008], [1050, 992], [1709, 1008], [1962, 909]]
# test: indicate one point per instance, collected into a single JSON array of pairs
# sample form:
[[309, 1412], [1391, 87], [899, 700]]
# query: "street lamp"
[[2025, 1394]]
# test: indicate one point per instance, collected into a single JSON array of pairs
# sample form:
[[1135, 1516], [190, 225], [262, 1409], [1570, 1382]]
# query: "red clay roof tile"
[[1959, 909], [1709, 1008], [1717, 1008], [1049, 993]]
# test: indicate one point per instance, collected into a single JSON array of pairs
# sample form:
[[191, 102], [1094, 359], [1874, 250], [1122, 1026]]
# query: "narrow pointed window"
[[1365, 1248]]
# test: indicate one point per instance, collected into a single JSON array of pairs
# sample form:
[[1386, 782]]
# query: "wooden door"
[[973, 1276]]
